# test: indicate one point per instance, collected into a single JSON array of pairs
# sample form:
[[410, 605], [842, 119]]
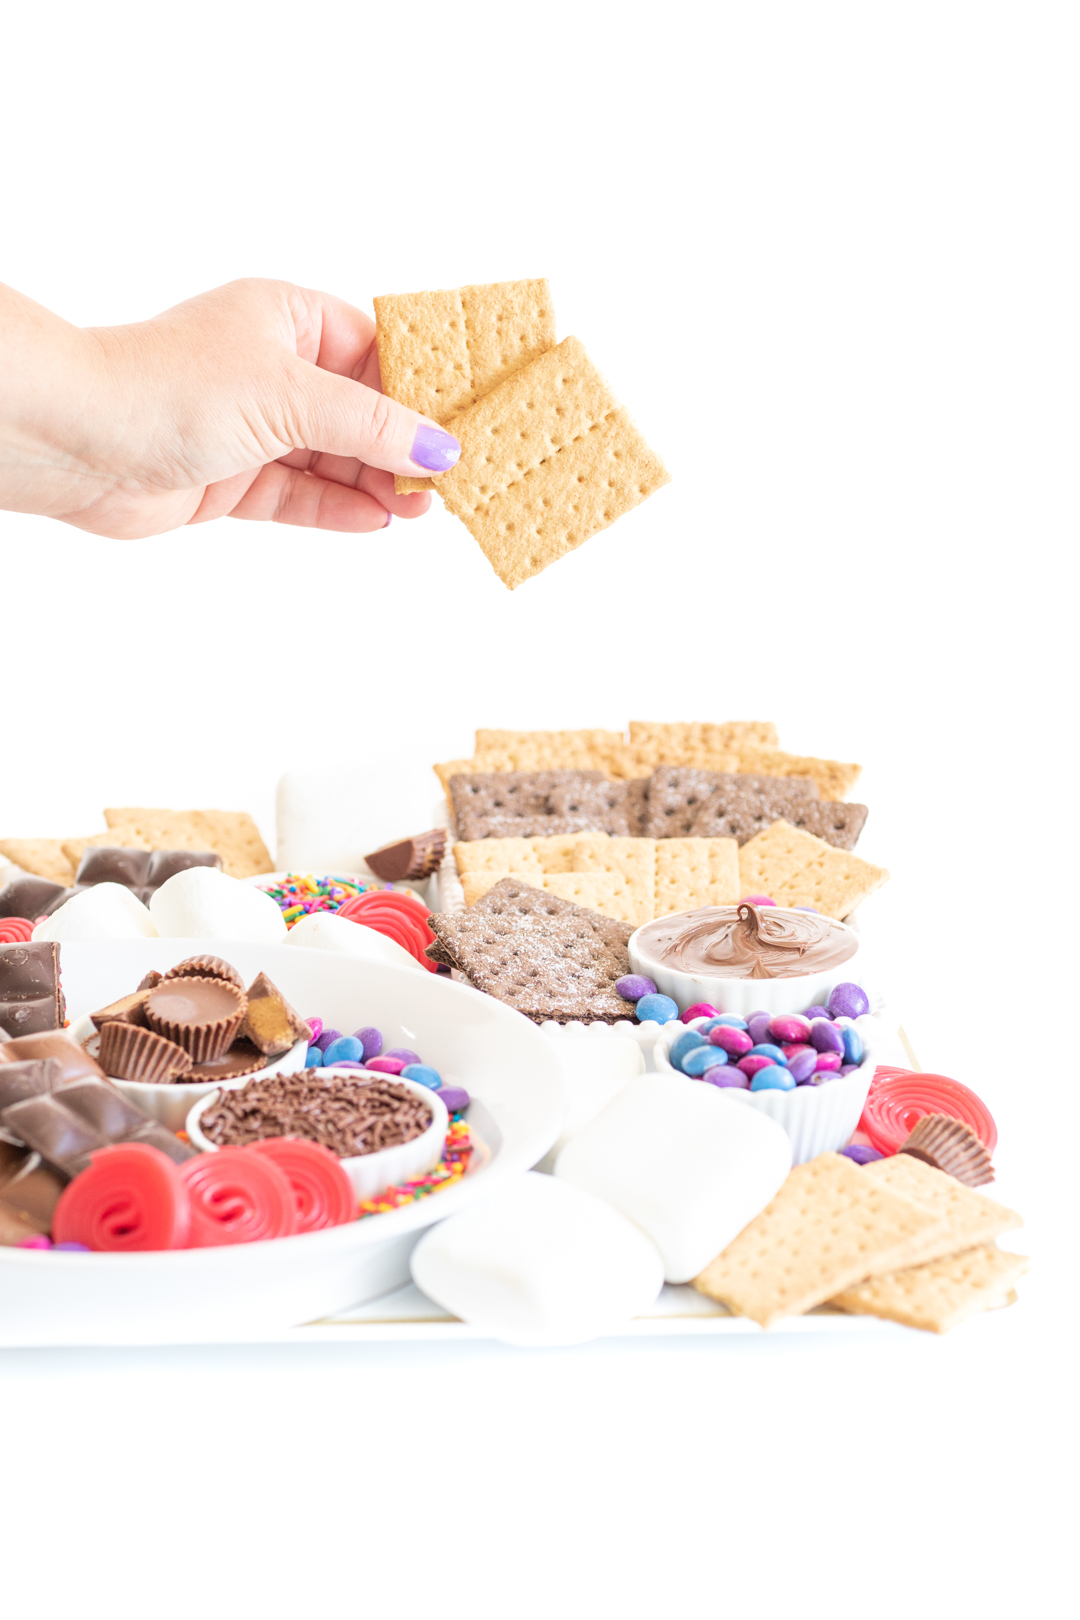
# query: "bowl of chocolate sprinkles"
[[385, 1131]]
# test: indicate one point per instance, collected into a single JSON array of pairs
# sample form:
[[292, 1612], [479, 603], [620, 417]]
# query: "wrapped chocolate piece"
[[410, 859], [270, 1023], [31, 999], [75, 1062], [24, 895], [128, 1052], [68, 1125], [949, 1145]]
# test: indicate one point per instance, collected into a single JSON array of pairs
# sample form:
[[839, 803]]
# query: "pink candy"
[[828, 1063], [733, 1041], [789, 1027], [700, 1009], [752, 1062], [386, 1065], [756, 900]]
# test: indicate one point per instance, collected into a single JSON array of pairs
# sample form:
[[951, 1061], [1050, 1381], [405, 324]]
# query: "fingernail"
[[389, 520], [433, 449]]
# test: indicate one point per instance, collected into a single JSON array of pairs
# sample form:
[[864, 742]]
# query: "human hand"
[[257, 400]]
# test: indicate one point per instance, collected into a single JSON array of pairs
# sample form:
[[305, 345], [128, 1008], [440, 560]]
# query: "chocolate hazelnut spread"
[[748, 942]]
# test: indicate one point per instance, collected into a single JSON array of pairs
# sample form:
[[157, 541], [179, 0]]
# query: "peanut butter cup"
[[205, 967], [950, 1145], [203, 1015], [132, 1052]]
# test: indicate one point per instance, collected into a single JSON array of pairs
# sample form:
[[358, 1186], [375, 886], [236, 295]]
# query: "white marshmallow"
[[325, 827], [322, 931], [539, 1262], [682, 1161], [105, 911], [595, 1066], [203, 903]]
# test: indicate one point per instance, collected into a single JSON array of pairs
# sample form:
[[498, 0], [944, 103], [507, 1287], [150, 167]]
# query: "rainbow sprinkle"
[[450, 1168], [300, 893]]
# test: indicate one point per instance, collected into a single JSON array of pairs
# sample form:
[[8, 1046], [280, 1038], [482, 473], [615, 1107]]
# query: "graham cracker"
[[742, 815], [835, 779], [41, 857], [476, 884], [676, 794], [632, 861], [940, 1295], [692, 872], [599, 891], [232, 834], [501, 804], [560, 853], [969, 1217], [829, 1227], [488, 741], [796, 869], [672, 738], [497, 855], [512, 895], [548, 459]]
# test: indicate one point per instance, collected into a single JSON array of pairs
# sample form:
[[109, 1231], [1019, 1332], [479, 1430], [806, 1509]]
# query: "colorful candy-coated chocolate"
[[733, 1020], [683, 1045], [849, 1068], [385, 1065], [632, 986], [455, 1097], [827, 1063], [802, 1066], [825, 1036], [859, 1153], [327, 1037], [752, 1062], [314, 1027], [705, 1026], [735, 1041], [404, 1054], [72, 1248], [370, 1039], [758, 1025], [700, 1009], [773, 1078], [756, 900], [423, 1074], [815, 1012], [345, 1049], [854, 1051], [703, 1058], [727, 1077], [848, 1000], [805, 908], [314, 1059], [788, 1027], [656, 1008], [792, 1049], [38, 1241], [768, 1050], [347, 1063]]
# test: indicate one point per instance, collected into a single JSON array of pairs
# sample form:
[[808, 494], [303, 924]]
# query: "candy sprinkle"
[[300, 893], [450, 1168]]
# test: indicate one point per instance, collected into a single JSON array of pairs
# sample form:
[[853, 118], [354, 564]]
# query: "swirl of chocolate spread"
[[748, 942]]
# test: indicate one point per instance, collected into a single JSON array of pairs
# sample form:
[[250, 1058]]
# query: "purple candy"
[[346, 1063], [758, 1025], [326, 1038], [815, 1012], [315, 1026], [861, 1153], [632, 986], [403, 1053], [826, 1037], [848, 1001], [734, 1041], [455, 1097], [802, 1066], [371, 1040], [72, 1247], [850, 1068], [727, 1077]]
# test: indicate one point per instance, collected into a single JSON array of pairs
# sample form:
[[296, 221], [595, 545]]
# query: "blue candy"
[[345, 1049], [683, 1045], [423, 1074], [854, 1050], [767, 1049], [702, 1058], [661, 1009], [732, 1020], [314, 1059], [773, 1079]]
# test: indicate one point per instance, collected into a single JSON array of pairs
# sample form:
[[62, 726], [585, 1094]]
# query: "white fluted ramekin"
[[744, 996], [817, 1119], [370, 1173]]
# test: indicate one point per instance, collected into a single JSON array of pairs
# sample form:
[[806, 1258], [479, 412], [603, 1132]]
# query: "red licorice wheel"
[[899, 1098], [129, 1197], [400, 918], [322, 1189], [15, 930], [237, 1197]]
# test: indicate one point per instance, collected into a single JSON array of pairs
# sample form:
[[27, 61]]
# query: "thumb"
[[337, 416]]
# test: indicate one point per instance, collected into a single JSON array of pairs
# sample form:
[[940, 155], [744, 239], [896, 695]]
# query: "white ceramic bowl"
[[243, 1290], [172, 1101], [370, 1173], [818, 1119], [744, 996]]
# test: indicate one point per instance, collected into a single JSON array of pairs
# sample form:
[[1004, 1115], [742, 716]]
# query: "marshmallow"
[[595, 1066], [322, 931], [329, 826], [203, 903], [683, 1162], [105, 911], [538, 1261]]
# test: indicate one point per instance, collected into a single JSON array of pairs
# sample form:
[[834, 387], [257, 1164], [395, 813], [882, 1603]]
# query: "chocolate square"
[[68, 1125], [165, 863], [24, 895], [31, 999], [103, 865]]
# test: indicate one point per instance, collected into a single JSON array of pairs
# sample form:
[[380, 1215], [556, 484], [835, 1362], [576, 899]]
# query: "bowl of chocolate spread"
[[747, 958]]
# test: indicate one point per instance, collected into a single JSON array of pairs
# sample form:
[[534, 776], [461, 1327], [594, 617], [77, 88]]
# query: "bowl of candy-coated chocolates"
[[809, 1072]]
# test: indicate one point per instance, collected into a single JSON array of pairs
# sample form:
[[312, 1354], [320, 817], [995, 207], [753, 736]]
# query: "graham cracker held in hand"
[[830, 1226], [796, 869], [969, 1217], [439, 352], [548, 459], [41, 857], [232, 834], [940, 1295]]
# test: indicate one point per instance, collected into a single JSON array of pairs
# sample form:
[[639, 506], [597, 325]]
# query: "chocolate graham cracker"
[[534, 803], [683, 799], [545, 956], [548, 459], [796, 869]]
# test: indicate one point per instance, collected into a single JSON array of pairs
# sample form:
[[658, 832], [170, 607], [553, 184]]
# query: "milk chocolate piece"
[[102, 865], [24, 895], [30, 995], [68, 1125], [270, 1023], [165, 863], [75, 1062], [204, 967], [29, 1191], [414, 858], [128, 1010], [30, 1078], [131, 1052], [149, 980]]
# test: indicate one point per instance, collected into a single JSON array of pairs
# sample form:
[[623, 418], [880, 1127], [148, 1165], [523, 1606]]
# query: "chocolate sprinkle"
[[349, 1115]]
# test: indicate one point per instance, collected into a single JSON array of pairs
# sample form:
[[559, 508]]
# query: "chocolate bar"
[[30, 995], [24, 895], [30, 1078], [68, 1125], [75, 1062], [101, 865], [29, 1192]]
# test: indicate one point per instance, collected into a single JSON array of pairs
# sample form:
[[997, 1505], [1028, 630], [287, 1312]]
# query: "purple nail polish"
[[433, 449], [389, 520]]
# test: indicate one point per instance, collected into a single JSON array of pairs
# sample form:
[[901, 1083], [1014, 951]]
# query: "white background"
[[828, 255]]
